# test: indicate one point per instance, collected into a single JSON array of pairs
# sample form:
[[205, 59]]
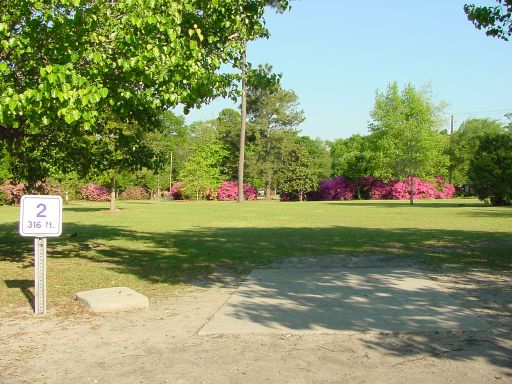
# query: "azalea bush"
[[369, 187], [11, 193], [176, 191], [135, 193], [94, 192], [338, 188], [228, 190], [400, 190]]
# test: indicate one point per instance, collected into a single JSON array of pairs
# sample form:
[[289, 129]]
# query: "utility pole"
[[170, 175], [450, 167], [241, 158]]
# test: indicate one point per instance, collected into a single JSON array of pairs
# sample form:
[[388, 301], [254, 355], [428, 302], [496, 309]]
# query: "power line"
[[489, 112]]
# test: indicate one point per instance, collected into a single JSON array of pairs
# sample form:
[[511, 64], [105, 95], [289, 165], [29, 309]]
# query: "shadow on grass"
[[87, 209], [507, 213], [185, 256], [405, 203]]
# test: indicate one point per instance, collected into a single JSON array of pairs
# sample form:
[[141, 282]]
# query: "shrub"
[[210, 194], [135, 193], [49, 187], [176, 191], [369, 187], [94, 192], [228, 190], [11, 193], [400, 190], [338, 188], [491, 171]]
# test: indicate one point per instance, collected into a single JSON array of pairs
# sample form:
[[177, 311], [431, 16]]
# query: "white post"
[[40, 275]]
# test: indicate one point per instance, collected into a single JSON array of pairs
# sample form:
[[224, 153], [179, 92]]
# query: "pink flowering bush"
[[400, 190], [94, 192], [11, 193], [369, 187], [49, 187], [228, 190], [135, 193], [176, 191], [338, 188]]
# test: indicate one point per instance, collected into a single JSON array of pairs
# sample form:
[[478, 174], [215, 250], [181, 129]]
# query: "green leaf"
[[71, 116]]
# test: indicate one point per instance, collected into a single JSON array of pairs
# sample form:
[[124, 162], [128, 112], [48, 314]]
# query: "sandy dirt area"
[[162, 345]]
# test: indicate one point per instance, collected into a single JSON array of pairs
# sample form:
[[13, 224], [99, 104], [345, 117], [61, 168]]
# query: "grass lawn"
[[158, 248]]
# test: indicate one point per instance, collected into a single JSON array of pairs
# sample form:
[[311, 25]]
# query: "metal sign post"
[[40, 275], [40, 217]]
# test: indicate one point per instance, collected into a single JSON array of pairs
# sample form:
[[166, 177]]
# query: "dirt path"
[[161, 345]]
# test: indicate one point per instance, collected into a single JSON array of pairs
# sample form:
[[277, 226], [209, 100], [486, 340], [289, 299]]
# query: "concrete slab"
[[112, 299], [340, 300]]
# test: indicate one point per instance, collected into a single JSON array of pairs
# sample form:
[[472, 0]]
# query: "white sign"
[[41, 216]]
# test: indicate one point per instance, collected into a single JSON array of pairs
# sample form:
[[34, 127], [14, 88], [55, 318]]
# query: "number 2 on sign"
[[41, 213]]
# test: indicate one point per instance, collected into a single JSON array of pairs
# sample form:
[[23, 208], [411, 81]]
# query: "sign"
[[41, 216]]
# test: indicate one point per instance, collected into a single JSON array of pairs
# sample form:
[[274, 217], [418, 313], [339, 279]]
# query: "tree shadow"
[[191, 256], [409, 315], [188, 254], [86, 209], [405, 203], [504, 212]]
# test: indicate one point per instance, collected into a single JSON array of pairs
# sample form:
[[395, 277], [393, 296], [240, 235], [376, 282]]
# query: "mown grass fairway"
[[157, 248]]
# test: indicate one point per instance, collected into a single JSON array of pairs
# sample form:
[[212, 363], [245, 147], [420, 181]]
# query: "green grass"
[[159, 248]]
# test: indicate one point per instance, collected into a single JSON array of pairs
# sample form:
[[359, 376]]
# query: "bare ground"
[[161, 345]]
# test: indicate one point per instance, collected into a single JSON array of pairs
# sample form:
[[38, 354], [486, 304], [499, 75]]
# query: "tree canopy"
[[496, 21], [65, 65], [406, 142], [464, 145], [491, 171]]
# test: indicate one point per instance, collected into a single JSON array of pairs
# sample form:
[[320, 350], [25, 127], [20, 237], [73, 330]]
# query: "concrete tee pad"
[[340, 300], [112, 299]]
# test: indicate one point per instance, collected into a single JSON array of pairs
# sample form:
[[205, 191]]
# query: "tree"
[[320, 156], [121, 148], [280, 6], [168, 145], [497, 20], [298, 172], [228, 126], [464, 145], [65, 64], [406, 142], [272, 110], [491, 171], [352, 158], [202, 169]]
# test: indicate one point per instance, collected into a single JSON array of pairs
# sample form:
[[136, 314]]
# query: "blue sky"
[[335, 54]]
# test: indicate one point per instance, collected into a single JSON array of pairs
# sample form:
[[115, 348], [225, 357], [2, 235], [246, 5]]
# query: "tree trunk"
[[411, 192], [113, 194], [241, 158], [268, 182], [301, 196], [158, 189]]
